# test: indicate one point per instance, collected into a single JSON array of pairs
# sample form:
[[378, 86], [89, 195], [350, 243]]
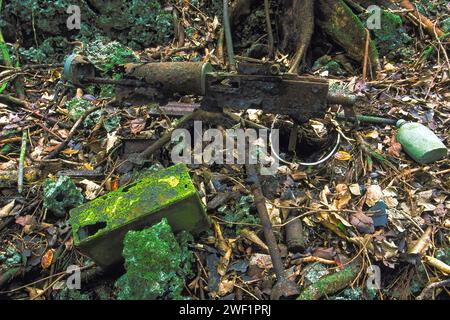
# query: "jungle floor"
[[370, 214]]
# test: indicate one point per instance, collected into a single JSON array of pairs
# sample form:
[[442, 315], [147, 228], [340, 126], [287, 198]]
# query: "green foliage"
[[137, 23], [10, 257], [78, 106], [70, 294], [146, 21], [446, 25], [61, 195], [51, 50], [110, 124], [107, 56], [391, 38], [156, 264], [327, 63], [239, 213]]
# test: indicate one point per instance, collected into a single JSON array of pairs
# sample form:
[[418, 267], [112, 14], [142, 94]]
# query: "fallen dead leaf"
[[374, 194], [342, 156], [47, 259], [6, 210], [395, 147]]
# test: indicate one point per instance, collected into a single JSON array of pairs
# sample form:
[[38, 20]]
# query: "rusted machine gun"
[[252, 86]]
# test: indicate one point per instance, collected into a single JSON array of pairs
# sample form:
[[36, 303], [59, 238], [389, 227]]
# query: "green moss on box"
[[99, 226]]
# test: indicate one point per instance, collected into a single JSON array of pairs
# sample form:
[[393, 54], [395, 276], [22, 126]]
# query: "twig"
[[366, 56], [422, 244], [75, 127], [428, 291], [438, 264], [23, 152], [283, 287], [6, 98], [424, 21]]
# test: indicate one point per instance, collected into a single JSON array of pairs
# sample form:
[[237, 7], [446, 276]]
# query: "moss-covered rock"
[[108, 55], [328, 64], [61, 195], [42, 25], [156, 264], [391, 38]]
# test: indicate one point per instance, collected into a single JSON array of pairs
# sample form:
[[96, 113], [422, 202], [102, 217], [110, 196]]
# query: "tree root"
[[339, 22]]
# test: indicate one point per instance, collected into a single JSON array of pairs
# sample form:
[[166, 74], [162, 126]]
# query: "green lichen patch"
[[446, 25], [156, 264], [61, 195]]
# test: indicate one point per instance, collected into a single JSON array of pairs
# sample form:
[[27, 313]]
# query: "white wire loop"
[[338, 141]]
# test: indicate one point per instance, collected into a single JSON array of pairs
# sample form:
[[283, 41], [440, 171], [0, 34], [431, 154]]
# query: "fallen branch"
[[438, 264], [23, 151], [427, 293], [330, 284], [426, 23], [75, 127]]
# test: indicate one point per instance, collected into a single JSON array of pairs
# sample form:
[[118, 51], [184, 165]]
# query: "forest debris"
[[428, 25], [47, 259], [283, 287], [362, 222], [427, 293], [294, 233], [330, 284], [263, 261], [379, 214], [251, 236]]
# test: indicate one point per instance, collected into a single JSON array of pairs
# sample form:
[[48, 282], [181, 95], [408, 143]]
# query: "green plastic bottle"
[[419, 142]]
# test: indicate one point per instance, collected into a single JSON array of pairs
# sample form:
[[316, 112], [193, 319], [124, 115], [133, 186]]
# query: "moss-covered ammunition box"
[[100, 225]]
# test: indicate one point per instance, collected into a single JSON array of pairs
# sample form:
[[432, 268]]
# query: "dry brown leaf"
[[226, 286], [395, 147], [374, 194], [137, 125], [262, 261], [47, 259], [6, 210], [343, 197]]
